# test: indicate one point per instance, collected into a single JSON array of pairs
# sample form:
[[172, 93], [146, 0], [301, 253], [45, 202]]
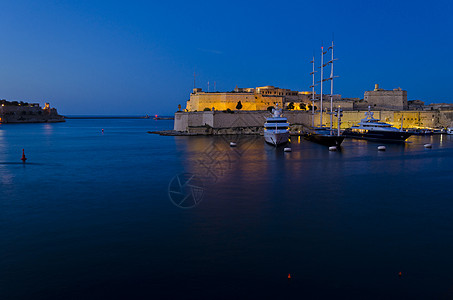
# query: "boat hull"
[[276, 138], [375, 135], [323, 139]]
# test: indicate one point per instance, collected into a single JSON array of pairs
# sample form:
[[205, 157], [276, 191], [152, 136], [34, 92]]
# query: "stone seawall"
[[219, 122], [251, 122]]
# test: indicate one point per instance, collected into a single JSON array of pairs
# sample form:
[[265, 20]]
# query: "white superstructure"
[[276, 128], [372, 129], [370, 123]]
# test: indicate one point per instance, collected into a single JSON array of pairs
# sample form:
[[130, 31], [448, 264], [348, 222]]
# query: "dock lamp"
[[338, 114]]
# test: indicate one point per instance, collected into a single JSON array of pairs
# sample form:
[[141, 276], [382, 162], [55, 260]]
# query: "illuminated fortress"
[[23, 112], [243, 110], [259, 98]]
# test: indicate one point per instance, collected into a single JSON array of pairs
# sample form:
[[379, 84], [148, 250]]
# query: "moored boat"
[[276, 128], [370, 128], [324, 137], [420, 131]]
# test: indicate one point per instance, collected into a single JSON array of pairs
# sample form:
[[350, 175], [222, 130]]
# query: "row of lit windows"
[[280, 94]]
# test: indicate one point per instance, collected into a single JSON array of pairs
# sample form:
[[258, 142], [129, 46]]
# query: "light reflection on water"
[[308, 160], [92, 216]]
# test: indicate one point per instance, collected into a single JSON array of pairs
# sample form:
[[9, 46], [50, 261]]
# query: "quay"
[[251, 122]]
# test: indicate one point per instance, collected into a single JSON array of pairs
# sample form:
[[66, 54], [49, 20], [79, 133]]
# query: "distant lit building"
[[380, 99], [416, 105], [23, 112], [259, 98]]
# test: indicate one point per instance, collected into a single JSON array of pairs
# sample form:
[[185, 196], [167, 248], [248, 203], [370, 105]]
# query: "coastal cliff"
[[22, 112]]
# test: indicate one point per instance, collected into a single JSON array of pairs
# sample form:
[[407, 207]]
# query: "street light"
[[338, 114]]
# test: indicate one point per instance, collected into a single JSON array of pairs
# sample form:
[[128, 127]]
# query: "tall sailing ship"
[[321, 134]]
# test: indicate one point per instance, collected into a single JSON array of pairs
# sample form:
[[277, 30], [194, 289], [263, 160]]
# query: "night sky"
[[138, 57]]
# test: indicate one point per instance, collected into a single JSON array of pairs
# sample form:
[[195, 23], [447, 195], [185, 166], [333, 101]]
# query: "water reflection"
[[6, 177], [326, 216], [253, 163], [48, 129], [212, 158]]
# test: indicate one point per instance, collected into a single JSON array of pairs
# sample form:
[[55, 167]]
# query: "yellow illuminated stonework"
[[259, 98]]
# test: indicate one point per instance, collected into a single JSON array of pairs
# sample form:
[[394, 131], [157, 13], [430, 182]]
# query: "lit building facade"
[[259, 98], [380, 99]]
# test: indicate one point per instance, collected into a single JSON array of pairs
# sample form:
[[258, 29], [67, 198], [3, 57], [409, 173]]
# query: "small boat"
[[439, 131], [370, 128], [276, 128], [420, 131], [450, 130]]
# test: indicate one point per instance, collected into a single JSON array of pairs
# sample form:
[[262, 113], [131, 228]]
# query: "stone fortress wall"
[[15, 112], [222, 117], [251, 122], [380, 99], [259, 98]]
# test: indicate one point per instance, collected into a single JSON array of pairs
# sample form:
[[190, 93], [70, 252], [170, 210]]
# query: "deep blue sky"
[[137, 57]]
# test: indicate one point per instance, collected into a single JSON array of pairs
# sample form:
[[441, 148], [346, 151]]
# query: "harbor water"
[[98, 214]]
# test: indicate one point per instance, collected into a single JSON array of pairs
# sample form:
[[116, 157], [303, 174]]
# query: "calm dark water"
[[89, 216]]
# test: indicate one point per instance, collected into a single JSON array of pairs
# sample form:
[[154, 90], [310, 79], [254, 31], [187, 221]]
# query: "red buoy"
[[400, 274], [289, 276], [23, 156]]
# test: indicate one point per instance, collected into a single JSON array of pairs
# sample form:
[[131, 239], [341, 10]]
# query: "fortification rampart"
[[251, 122], [28, 113]]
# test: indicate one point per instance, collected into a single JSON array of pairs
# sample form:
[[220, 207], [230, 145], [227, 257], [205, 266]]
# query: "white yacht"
[[276, 128], [370, 128]]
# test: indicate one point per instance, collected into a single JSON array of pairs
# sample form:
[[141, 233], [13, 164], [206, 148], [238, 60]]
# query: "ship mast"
[[322, 79], [331, 85], [313, 94]]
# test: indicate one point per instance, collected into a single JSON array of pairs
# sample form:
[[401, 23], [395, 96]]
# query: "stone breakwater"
[[251, 122]]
